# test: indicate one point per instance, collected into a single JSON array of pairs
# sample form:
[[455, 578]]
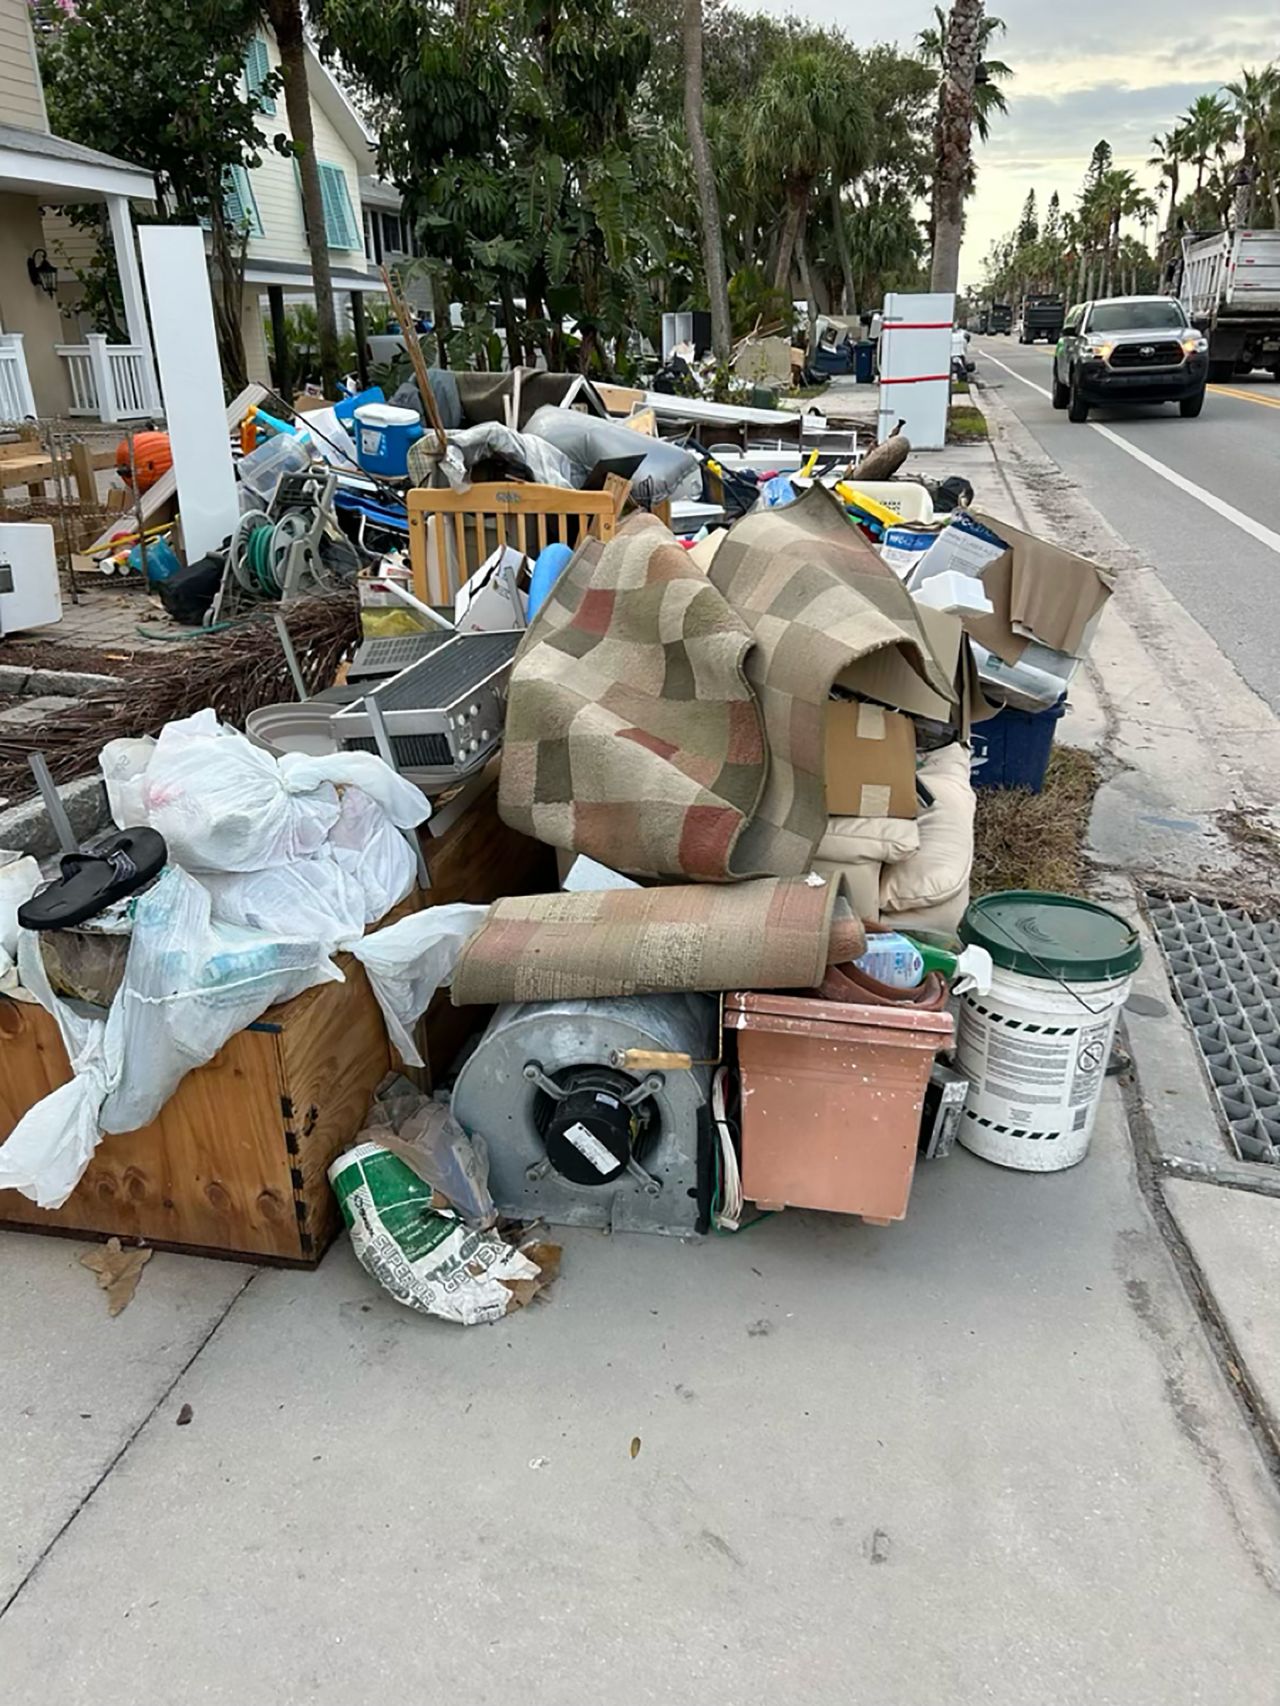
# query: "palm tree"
[[1208, 125], [988, 97], [1168, 159], [808, 115], [953, 140], [1117, 196], [1256, 95], [705, 177]]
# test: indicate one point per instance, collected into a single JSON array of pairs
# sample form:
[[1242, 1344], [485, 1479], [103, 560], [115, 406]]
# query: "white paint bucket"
[[1035, 1049]]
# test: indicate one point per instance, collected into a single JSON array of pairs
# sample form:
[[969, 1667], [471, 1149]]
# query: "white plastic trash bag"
[[410, 960], [123, 764], [190, 983], [222, 804], [366, 844], [46, 1153], [404, 804], [317, 897]]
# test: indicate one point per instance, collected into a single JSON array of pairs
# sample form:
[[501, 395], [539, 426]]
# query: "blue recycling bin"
[[1011, 749], [864, 362]]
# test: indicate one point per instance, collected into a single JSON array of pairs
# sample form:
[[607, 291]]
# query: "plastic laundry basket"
[[1035, 1049], [831, 1098]]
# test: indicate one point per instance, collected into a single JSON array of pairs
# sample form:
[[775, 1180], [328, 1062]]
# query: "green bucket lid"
[[1053, 936]]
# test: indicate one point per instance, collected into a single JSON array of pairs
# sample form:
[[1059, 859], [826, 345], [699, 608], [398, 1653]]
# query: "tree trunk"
[[806, 277], [1173, 199], [511, 326], [953, 141], [704, 174], [226, 279], [797, 200], [848, 295], [286, 22]]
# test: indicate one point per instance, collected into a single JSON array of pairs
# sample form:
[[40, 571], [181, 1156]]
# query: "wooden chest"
[[236, 1163]]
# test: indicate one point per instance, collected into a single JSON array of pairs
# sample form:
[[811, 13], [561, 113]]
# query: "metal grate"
[[396, 652], [450, 672], [411, 752], [1224, 964]]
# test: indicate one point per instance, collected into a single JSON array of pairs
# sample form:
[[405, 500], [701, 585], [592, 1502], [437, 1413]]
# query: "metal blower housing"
[[573, 1139]]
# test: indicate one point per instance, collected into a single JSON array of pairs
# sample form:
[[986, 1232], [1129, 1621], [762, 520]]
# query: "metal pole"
[[290, 656], [382, 741], [53, 805]]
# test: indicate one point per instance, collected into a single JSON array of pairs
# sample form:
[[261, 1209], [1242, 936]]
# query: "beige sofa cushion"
[[869, 840], [935, 878]]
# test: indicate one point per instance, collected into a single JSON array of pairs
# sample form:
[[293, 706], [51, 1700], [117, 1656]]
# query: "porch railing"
[[108, 381], [16, 400]]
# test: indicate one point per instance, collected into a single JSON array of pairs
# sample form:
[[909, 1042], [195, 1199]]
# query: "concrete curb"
[[72, 683]]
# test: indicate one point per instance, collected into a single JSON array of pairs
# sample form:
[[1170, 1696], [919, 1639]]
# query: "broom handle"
[[416, 358]]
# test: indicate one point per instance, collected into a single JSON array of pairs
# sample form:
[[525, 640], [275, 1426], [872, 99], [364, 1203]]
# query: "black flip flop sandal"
[[119, 866]]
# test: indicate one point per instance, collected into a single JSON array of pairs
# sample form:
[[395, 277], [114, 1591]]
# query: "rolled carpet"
[[772, 933]]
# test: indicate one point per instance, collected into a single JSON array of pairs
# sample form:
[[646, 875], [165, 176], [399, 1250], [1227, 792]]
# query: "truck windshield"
[[1136, 317]]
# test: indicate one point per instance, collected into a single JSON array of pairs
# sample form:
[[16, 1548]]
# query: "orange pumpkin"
[[151, 458]]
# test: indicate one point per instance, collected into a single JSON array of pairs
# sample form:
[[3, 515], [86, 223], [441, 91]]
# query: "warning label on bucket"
[[1027, 1069], [1091, 1063]]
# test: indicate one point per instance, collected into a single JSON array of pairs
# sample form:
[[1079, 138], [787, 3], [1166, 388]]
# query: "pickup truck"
[[1042, 317], [1129, 349], [1230, 288]]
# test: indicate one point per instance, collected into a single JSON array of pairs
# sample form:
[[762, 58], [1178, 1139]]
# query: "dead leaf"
[[118, 1272], [184, 1415], [546, 1257], [635, 1446]]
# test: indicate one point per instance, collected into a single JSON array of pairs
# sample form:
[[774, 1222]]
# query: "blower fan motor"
[[574, 1138]]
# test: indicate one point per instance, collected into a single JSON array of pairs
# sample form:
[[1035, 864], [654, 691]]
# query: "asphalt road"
[[1224, 568]]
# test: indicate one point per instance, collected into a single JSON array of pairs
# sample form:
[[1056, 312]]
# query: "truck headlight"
[[1195, 345], [1098, 347]]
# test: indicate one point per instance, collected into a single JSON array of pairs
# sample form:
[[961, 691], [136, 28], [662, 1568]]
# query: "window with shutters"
[[340, 228], [257, 68], [239, 204]]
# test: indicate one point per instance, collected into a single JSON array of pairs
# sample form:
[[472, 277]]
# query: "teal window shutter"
[[257, 68], [240, 205], [339, 219]]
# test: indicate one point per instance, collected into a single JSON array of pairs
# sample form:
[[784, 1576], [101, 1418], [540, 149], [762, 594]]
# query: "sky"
[[1083, 69]]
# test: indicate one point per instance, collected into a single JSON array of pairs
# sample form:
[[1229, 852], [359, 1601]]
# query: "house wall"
[[21, 96], [275, 187], [25, 308]]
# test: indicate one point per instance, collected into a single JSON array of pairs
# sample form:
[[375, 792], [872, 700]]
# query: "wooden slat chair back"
[[451, 533]]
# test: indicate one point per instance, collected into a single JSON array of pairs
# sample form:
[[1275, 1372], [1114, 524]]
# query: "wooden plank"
[[643, 420], [82, 472], [334, 1055]]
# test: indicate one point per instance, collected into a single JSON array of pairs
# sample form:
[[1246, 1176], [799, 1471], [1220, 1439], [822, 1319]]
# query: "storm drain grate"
[[1224, 964]]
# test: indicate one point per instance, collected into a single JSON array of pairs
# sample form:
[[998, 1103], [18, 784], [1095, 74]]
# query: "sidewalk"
[[987, 1455]]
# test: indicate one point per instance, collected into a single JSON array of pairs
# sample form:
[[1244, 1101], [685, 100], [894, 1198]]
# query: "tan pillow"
[[938, 872]]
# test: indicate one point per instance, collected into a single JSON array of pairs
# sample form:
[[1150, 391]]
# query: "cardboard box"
[[1040, 592], [870, 761]]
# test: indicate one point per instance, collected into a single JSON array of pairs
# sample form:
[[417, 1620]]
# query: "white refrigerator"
[[915, 367]]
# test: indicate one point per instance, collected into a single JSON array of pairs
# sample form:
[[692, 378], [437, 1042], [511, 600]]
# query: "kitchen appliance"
[[29, 594]]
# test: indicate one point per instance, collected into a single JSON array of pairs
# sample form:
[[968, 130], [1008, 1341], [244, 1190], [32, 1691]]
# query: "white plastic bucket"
[[1035, 1052]]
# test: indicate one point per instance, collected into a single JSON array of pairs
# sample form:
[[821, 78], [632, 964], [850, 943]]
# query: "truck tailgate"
[[1253, 274]]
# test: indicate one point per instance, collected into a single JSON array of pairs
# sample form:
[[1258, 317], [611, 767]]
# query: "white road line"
[[1219, 506]]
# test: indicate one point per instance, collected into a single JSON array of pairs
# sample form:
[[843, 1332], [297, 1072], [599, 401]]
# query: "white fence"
[[108, 381], [16, 400]]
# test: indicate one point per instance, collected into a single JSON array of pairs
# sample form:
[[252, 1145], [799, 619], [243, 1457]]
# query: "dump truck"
[[1001, 318], [1230, 288], [1042, 317]]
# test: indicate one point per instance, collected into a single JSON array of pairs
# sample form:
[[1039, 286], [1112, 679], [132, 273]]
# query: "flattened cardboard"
[[1039, 592], [887, 677], [870, 761]]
